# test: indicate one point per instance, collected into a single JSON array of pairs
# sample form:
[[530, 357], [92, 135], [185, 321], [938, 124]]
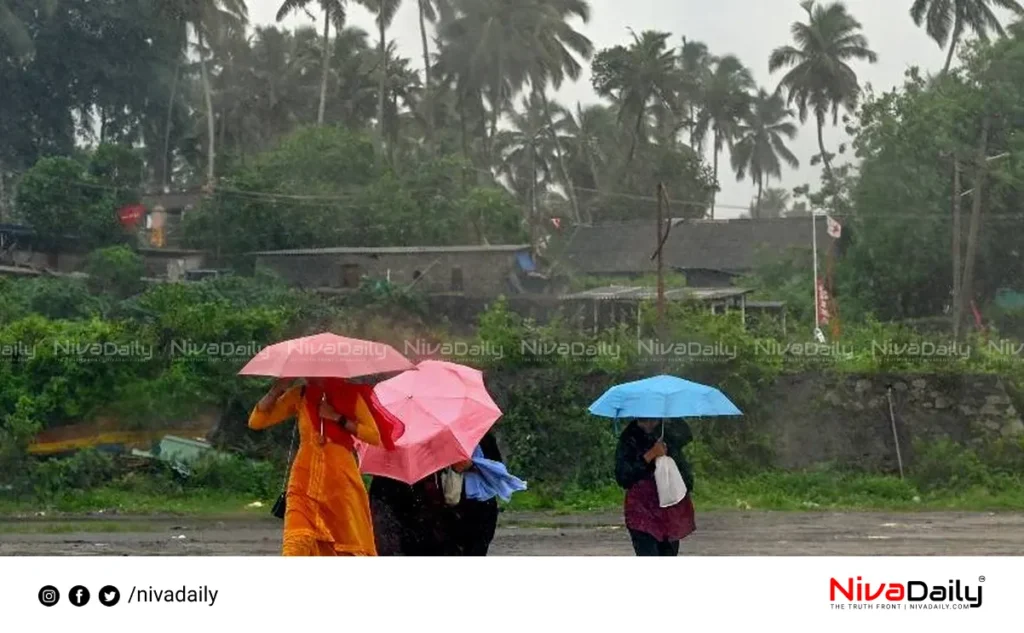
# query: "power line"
[[352, 196]]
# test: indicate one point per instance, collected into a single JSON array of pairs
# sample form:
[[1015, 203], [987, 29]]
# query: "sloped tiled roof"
[[726, 245]]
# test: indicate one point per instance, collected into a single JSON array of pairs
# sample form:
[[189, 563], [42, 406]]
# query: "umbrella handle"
[[662, 438]]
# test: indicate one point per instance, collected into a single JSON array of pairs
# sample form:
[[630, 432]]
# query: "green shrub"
[[230, 473], [84, 470], [116, 271]]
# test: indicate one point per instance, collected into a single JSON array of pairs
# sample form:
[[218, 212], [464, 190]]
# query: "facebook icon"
[[79, 596]]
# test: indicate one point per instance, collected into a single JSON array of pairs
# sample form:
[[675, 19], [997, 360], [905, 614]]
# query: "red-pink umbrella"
[[325, 355], [446, 411]]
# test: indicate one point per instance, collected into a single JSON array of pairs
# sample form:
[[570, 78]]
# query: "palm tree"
[[587, 132], [527, 154], [204, 16], [385, 11], [694, 64], [334, 12], [430, 11], [636, 76], [725, 101], [943, 18], [820, 78], [560, 45], [493, 48], [762, 142], [774, 204]]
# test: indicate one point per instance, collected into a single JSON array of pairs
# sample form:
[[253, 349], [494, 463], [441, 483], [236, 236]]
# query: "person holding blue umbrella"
[[645, 447]]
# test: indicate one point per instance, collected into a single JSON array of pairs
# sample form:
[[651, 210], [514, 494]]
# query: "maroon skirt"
[[644, 513]]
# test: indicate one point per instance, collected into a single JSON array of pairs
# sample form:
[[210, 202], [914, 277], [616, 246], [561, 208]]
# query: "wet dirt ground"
[[734, 533]]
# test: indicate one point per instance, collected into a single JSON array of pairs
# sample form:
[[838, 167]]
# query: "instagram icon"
[[49, 596]]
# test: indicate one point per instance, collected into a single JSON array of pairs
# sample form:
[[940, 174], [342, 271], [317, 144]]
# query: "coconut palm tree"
[[203, 17], [725, 103], [560, 44], [761, 142], [493, 48], [635, 77], [527, 153], [774, 204], [820, 78], [431, 11], [946, 20], [385, 11], [588, 140], [334, 13], [694, 63]]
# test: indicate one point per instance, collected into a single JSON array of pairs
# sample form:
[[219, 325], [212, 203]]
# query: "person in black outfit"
[[415, 520], [473, 523], [655, 531], [408, 520]]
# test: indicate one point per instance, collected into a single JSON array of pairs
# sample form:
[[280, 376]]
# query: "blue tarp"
[[525, 261]]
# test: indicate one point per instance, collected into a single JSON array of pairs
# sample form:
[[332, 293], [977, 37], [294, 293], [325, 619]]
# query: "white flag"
[[834, 228]]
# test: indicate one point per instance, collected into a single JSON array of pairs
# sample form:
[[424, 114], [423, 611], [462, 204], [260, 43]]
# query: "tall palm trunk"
[[326, 68], [636, 135], [170, 121], [211, 131], [566, 179], [382, 83], [821, 145], [954, 41], [972, 232], [495, 111], [760, 192], [428, 100], [714, 194]]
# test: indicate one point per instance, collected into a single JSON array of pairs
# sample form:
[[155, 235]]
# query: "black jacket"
[[634, 442]]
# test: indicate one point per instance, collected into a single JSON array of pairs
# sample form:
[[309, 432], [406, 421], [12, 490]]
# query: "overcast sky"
[[749, 29]]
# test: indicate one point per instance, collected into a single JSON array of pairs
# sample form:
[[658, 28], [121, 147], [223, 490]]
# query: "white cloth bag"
[[451, 483], [671, 487]]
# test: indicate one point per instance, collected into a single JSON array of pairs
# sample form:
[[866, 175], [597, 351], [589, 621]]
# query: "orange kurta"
[[328, 510]]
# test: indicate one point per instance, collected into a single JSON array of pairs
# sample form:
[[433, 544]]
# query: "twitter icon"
[[109, 596]]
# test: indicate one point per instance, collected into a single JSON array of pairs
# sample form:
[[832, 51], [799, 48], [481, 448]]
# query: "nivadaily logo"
[[913, 594]]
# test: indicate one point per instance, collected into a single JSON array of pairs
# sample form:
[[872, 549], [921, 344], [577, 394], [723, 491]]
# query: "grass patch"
[[797, 491], [122, 502], [780, 491]]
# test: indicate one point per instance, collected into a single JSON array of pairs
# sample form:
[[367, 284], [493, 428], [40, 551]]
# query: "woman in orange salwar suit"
[[328, 510]]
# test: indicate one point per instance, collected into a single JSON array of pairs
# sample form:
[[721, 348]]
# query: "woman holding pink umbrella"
[[327, 511], [421, 491]]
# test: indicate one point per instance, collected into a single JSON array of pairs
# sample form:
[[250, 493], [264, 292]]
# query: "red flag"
[[823, 300], [130, 215]]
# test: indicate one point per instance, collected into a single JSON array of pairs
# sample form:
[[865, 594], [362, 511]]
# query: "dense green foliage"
[[400, 157], [320, 188]]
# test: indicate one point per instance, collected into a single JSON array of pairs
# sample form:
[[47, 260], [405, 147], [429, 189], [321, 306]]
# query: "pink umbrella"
[[446, 411], [325, 355]]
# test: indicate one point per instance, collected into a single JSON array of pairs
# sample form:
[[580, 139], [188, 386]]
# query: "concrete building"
[[472, 270]]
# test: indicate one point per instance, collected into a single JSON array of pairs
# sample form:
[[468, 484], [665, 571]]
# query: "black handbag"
[[282, 500]]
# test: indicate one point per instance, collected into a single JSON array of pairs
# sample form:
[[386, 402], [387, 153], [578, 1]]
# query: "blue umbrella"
[[663, 397]]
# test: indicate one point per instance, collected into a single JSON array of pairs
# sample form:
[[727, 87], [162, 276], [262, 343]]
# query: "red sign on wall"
[[130, 215]]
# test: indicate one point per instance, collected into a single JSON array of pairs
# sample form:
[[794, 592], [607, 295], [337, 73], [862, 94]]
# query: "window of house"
[[350, 274], [457, 279]]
